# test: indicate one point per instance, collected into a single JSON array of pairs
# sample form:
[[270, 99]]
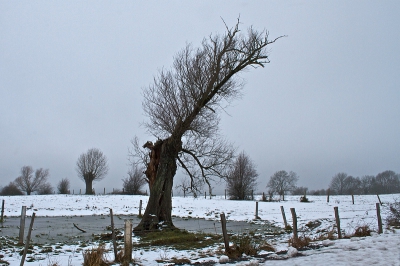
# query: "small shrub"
[[331, 235], [393, 217], [11, 190], [304, 199], [95, 257], [300, 242], [288, 228], [362, 231], [244, 244]]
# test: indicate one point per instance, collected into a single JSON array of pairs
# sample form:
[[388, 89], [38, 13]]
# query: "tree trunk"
[[89, 189], [158, 210]]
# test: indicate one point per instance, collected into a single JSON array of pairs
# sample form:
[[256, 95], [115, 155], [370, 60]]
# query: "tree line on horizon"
[[241, 181]]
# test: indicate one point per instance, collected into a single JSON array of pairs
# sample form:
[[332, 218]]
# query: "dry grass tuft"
[[246, 245], [300, 242], [393, 217], [362, 231], [95, 256]]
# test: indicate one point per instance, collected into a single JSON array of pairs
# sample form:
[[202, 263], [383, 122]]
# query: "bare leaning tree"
[[91, 166], [183, 106]]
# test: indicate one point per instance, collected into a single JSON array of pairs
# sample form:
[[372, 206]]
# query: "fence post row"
[[224, 232], [28, 239], [379, 199], [2, 211], [128, 241], [294, 217], [22, 226], [327, 195], [113, 235], [378, 214], [337, 221], [256, 216], [284, 217]]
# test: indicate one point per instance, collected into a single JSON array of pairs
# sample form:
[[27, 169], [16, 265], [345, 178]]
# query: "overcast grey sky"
[[72, 72]]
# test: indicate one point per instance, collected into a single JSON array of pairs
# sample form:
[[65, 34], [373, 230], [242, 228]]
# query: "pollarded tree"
[[283, 182], [183, 106], [134, 182], [91, 166], [30, 181], [242, 178]]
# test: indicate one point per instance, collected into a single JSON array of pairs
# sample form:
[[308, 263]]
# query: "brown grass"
[[245, 244], [362, 231], [95, 257], [300, 242]]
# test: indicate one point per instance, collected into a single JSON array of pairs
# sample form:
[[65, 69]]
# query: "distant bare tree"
[[387, 182], [63, 186], [91, 166], [338, 184], [193, 186], [134, 182], [367, 185], [283, 182], [352, 185], [11, 190], [45, 189], [299, 191], [242, 178], [342, 183], [28, 182], [184, 185]]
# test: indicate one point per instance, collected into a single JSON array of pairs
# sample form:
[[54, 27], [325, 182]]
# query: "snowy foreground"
[[383, 249]]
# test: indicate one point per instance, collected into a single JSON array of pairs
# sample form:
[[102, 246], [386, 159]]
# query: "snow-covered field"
[[377, 249]]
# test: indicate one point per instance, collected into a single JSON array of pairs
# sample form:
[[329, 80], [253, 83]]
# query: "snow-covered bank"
[[378, 249]]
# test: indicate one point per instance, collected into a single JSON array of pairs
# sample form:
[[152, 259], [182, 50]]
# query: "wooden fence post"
[[205, 194], [128, 241], [256, 216], [224, 232], [73, 192], [225, 193], [379, 199], [22, 226], [113, 236], [140, 208], [378, 213], [28, 239], [294, 217], [327, 195], [80, 191], [104, 191], [284, 217], [2, 211], [352, 198], [338, 222], [252, 195]]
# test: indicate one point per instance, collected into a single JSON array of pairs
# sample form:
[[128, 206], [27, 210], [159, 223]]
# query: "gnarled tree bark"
[[159, 207]]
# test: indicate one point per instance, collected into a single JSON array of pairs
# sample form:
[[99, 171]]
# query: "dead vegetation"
[[299, 242], [95, 256], [362, 231], [249, 244]]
